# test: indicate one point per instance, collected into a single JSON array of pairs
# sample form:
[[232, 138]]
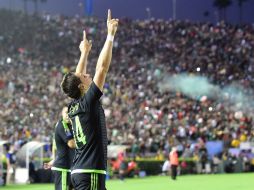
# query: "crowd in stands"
[[36, 51]]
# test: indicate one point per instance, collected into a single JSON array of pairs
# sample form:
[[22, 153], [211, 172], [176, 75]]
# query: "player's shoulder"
[[75, 106], [58, 128], [95, 88], [59, 124], [92, 95]]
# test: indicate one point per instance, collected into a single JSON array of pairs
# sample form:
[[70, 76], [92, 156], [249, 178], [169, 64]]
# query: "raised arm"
[[85, 47], [104, 60]]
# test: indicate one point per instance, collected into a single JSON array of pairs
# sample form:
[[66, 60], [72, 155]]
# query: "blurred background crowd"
[[36, 51]]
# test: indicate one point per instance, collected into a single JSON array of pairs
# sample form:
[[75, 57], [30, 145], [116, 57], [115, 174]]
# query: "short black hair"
[[70, 85]]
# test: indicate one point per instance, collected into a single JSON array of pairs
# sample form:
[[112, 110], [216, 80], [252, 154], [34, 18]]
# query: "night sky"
[[186, 9]]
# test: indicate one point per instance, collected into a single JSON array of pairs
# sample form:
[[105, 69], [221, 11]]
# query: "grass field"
[[191, 182]]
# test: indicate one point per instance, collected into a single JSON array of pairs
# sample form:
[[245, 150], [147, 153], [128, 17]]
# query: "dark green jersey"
[[64, 154], [89, 129]]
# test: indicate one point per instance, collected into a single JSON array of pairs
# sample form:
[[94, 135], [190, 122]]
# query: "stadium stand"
[[33, 49]]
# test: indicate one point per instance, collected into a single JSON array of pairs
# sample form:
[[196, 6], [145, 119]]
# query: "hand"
[[112, 24], [48, 165], [85, 45]]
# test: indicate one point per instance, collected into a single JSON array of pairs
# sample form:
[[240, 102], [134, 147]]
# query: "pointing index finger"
[[84, 35], [109, 14]]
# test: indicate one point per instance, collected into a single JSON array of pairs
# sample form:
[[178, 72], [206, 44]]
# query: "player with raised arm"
[[88, 118], [64, 142]]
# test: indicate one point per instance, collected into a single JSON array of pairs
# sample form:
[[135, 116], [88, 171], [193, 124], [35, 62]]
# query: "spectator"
[[39, 50], [33, 176], [174, 162], [165, 167]]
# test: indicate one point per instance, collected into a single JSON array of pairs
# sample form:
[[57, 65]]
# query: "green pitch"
[[191, 182]]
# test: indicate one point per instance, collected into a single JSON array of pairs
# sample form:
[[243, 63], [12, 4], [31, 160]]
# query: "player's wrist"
[[111, 32], [110, 37], [85, 53]]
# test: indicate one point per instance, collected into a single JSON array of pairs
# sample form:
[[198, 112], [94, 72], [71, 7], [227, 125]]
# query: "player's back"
[[89, 129]]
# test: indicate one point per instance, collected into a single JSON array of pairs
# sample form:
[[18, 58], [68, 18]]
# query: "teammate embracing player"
[[87, 116], [63, 153]]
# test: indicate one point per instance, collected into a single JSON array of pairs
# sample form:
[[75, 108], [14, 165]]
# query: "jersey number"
[[80, 137]]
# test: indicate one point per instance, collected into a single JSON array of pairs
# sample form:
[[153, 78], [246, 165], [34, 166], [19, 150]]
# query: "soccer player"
[[62, 160], [88, 118]]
